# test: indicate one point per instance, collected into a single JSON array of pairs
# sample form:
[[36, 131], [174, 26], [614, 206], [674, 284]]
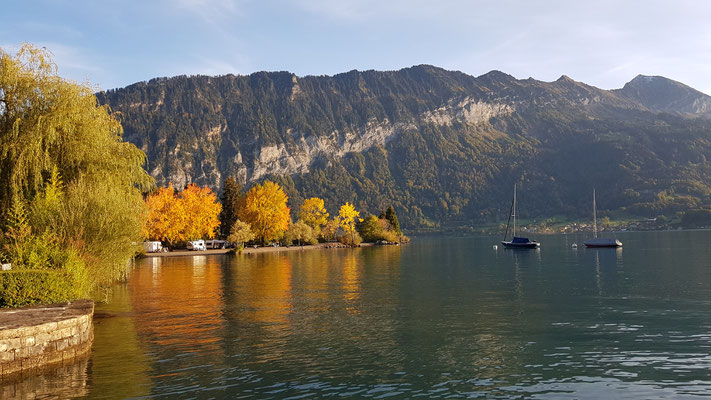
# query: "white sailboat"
[[596, 241]]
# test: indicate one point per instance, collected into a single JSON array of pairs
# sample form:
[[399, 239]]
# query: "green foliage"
[[103, 221], [696, 219], [300, 232], [372, 229], [241, 232], [232, 199], [43, 271], [392, 218], [26, 287], [71, 199]]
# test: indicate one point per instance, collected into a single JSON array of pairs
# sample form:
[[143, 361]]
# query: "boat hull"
[[527, 245], [600, 242]]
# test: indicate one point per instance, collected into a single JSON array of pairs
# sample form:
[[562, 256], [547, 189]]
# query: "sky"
[[602, 43]]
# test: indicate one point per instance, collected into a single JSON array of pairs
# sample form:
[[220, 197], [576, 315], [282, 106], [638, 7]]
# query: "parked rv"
[[197, 245], [153, 247], [215, 244]]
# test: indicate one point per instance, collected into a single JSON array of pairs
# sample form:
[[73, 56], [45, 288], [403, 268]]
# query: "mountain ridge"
[[442, 145]]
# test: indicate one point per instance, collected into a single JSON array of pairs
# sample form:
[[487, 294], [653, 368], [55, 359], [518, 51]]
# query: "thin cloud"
[[213, 12]]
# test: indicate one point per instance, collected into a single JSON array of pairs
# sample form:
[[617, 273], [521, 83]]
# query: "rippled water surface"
[[441, 317]]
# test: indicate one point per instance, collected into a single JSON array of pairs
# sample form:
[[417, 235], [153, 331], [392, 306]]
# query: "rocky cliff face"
[[442, 145]]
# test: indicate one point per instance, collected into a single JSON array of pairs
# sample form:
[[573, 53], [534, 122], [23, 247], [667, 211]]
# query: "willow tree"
[[54, 128]]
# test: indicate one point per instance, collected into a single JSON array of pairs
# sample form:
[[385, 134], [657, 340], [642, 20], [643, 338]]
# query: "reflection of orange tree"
[[265, 284], [163, 294]]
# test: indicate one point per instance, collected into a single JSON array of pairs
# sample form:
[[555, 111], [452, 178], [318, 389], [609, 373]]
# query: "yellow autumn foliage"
[[265, 210], [313, 213]]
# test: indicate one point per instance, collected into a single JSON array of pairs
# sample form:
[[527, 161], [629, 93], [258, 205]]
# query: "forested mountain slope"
[[443, 147]]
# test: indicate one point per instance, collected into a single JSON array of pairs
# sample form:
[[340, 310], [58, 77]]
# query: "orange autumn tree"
[[266, 211], [202, 210], [189, 215], [165, 219]]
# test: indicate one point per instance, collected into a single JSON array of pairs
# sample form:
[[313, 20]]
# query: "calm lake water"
[[441, 317]]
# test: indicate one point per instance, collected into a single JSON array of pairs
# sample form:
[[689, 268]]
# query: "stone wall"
[[34, 337]]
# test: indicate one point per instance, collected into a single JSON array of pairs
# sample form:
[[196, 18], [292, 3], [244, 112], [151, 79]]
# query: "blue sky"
[[603, 43]]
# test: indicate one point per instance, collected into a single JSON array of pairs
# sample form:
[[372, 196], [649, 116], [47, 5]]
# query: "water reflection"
[[180, 307], [263, 290], [441, 317], [116, 339], [350, 282], [63, 382]]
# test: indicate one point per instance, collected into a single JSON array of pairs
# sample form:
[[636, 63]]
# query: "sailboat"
[[517, 242], [596, 241]]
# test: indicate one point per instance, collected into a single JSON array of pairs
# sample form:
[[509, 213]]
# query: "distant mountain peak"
[[664, 94], [497, 75], [646, 78]]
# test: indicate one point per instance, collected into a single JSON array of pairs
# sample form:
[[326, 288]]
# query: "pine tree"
[[232, 198], [390, 216]]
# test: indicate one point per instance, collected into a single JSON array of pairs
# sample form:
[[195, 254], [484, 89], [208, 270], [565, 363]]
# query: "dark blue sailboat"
[[517, 242]]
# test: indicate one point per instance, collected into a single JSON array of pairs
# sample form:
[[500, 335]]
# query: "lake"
[[440, 317]]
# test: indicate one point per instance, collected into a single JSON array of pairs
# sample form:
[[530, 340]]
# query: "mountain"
[[443, 147], [660, 93]]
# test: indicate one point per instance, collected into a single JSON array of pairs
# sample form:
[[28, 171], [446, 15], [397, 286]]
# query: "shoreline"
[[252, 250]]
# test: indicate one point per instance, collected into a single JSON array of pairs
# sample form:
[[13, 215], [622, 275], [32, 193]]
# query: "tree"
[[240, 233], [390, 216], [373, 229], [313, 213], [201, 211], [347, 217], [63, 155], [165, 219], [190, 215], [302, 232], [47, 122], [368, 228], [330, 230], [232, 199], [266, 211]]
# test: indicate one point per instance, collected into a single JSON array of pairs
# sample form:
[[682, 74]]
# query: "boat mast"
[[514, 211], [508, 221], [594, 216]]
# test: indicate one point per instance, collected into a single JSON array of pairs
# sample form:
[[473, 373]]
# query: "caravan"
[[198, 245], [153, 247]]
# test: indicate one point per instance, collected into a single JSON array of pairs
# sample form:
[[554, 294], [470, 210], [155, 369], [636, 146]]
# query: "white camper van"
[[197, 245], [153, 247]]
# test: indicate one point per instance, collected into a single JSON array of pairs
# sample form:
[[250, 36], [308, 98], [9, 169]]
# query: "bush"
[[43, 271], [353, 239], [26, 287]]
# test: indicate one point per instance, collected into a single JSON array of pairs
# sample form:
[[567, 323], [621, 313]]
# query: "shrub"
[[27, 286], [352, 239]]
